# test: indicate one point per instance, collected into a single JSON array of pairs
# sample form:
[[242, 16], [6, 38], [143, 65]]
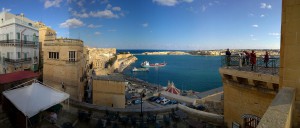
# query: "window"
[[53, 55], [18, 36], [250, 121], [19, 55], [25, 55], [7, 55], [72, 56], [25, 39], [235, 125]]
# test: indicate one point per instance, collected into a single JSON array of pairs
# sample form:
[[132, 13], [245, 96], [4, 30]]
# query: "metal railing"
[[243, 64], [25, 60], [18, 42]]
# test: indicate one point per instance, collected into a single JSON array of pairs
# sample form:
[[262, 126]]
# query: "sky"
[[159, 24]]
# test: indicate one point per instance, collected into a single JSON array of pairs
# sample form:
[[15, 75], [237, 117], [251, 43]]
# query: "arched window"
[[250, 121]]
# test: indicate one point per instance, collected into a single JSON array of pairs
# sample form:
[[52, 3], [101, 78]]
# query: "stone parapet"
[[279, 113]]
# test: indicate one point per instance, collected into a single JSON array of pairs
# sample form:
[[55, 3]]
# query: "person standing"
[[228, 54], [266, 59], [247, 57], [252, 59]]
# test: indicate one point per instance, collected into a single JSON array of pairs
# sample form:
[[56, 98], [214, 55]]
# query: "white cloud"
[[97, 33], [52, 3], [108, 6], [116, 8], [94, 26], [104, 14], [81, 15], [145, 25], [71, 23], [255, 25], [170, 2], [188, 1], [274, 34], [262, 15], [251, 35], [203, 8], [104, 1], [5, 10], [80, 3], [265, 6]]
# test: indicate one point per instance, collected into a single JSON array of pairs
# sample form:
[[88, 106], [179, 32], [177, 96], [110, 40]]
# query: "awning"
[[32, 99]]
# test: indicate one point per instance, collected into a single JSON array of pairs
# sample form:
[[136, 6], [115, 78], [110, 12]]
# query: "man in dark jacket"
[[228, 54]]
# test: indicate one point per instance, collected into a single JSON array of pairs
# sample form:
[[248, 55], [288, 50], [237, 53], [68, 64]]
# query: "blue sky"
[[159, 24]]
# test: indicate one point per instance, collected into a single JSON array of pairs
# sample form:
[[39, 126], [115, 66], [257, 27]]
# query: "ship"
[[146, 64], [140, 69]]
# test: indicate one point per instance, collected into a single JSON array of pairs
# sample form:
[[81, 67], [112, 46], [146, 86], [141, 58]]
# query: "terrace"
[[242, 64]]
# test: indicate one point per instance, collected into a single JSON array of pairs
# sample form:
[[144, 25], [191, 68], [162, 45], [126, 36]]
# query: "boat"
[[140, 69], [146, 64]]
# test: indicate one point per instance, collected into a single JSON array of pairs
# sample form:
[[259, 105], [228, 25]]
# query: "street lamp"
[[142, 95]]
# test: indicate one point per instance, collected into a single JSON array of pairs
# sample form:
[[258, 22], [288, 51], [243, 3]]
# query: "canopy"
[[172, 89], [34, 98]]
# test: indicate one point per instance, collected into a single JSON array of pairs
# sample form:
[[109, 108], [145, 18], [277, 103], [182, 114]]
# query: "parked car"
[[159, 99], [164, 101], [136, 101], [201, 108], [153, 98], [173, 102]]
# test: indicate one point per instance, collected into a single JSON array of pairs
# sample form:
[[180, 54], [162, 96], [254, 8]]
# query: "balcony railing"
[[13, 61], [18, 42], [243, 64]]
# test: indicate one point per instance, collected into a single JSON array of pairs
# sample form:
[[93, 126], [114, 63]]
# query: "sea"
[[188, 72]]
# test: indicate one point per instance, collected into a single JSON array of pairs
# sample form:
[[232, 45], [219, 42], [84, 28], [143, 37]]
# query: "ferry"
[[140, 69], [146, 64]]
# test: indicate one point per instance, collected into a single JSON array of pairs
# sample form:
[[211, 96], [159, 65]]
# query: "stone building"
[[257, 99], [109, 90], [44, 31], [64, 65], [19, 47]]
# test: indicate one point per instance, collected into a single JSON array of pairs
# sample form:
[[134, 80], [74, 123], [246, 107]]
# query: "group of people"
[[246, 57]]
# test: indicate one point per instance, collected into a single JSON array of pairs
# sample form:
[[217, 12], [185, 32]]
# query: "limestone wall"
[[244, 96], [279, 113], [56, 71], [109, 93], [289, 55]]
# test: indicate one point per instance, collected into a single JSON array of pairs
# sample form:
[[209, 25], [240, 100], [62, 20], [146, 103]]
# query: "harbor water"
[[198, 73]]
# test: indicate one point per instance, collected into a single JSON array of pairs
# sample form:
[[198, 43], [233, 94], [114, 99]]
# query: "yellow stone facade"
[[246, 93], [66, 70], [44, 33], [109, 93], [290, 53]]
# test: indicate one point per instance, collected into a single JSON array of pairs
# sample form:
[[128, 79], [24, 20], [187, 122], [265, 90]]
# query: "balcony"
[[65, 42], [18, 43], [242, 64], [16, 61]]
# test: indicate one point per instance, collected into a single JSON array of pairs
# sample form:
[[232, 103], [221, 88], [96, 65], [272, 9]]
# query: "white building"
[[19, 47]]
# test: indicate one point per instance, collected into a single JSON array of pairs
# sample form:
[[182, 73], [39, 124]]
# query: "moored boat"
[[146, 64], [140, 69]]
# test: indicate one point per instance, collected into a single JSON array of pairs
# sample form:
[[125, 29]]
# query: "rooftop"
[[17, 76], [112, 77]]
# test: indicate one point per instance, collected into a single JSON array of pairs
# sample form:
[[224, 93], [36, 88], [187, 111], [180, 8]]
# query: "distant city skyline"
[[159, 24]]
